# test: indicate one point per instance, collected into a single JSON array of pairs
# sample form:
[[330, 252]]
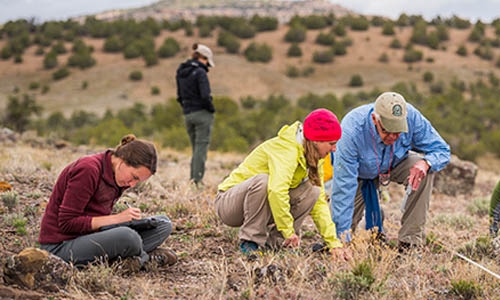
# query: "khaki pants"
[[246, 205], [414, 217]]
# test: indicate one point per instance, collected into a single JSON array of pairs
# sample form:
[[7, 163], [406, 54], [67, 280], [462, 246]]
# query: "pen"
[[407, 193], [126, 203]]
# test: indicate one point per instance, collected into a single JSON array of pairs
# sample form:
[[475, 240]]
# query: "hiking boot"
[[161, 257], [247, 247]]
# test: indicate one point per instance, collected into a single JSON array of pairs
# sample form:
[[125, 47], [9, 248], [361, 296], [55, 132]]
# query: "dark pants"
[[112, 244], [199, 128]]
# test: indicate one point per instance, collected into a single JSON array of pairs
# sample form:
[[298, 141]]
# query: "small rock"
[[34, 268]]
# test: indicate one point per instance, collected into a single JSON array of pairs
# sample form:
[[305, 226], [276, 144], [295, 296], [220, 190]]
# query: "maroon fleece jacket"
[[86, 188]]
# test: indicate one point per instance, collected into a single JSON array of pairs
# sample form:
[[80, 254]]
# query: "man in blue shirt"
[[388, 140]]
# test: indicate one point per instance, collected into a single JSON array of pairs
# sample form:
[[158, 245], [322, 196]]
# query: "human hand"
[[342, 254], [131, 213], [293, 241], [417, 173]]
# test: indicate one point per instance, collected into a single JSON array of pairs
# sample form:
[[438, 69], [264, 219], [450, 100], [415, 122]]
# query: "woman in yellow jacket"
[[279, 183]]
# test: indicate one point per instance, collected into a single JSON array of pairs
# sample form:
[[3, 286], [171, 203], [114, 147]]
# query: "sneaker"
[[163, 257], [247, 247]]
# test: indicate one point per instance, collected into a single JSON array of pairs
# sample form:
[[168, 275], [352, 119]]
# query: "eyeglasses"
[[384, 131]]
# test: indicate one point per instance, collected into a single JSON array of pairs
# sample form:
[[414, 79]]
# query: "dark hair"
[[196, 55], [136, 153]]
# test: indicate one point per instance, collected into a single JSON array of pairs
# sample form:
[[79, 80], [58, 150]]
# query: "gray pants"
[[414, 217], [199, 128], [112, 244], [246, 205]]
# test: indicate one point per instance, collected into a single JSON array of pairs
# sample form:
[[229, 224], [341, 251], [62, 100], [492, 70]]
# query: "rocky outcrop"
[[457, 178]]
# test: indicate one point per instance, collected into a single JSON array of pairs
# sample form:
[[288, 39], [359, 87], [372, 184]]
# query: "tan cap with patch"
[[391, 107]]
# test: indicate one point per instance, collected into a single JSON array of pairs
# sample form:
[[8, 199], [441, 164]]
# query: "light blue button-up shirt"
[[356, 157]]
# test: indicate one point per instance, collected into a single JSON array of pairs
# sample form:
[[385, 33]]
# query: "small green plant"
[[85, 85], [10, 199], [354, 284], [135, 76], [155, 90], [466, 289], [20, 225], [61, 73], [34, 85], [356, 81], [428, 76]]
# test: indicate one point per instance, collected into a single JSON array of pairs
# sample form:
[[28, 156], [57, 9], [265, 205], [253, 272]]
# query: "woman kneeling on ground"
[[81, 203], [279, 183]]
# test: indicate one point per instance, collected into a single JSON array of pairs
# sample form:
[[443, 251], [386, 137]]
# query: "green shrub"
[[388, 28], [132, 51], [59, 48], [61, 73], [484, 52], [360, 23], [339, 49], [323, 57], [113, 44], [258, 52], [462, 51], [34, 85], [169, 48], [356, 81], [155, 90], [265, 23], [292, 71], [50, 60], [85, 85], [326, 39], [395, 44], [296, 34], [479, 207], [339, 30], [204, 31], [412, 55], [150, 58], [294, 50], [428, 76], [135, 75], [307, 71], [437, 87]]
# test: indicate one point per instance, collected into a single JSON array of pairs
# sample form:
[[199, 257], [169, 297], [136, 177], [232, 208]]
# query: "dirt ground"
[[210, 265]]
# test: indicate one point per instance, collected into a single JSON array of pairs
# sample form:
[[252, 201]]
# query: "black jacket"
[[193, 87]]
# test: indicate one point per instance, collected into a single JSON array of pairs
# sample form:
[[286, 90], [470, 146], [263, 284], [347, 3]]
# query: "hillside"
[[235, 77], [210, 265]]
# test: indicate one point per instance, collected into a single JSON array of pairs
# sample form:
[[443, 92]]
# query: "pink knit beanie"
[[322, 125]]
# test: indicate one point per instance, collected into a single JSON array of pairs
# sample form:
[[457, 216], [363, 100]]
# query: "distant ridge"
[[190, 9]]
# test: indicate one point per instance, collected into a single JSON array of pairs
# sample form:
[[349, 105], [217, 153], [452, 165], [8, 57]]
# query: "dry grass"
[[210, 265]]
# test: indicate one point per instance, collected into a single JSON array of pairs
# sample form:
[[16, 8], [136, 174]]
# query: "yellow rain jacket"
[[282, 158]]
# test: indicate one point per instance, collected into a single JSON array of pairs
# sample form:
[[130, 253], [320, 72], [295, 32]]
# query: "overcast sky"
[[485, 10], [44, 10]]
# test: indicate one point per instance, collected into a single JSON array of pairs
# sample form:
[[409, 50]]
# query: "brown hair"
[[196, 55], [312, 158], [136, 153]]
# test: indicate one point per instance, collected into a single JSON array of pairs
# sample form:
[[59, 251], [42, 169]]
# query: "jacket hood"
[[292, 133], [188, 66]]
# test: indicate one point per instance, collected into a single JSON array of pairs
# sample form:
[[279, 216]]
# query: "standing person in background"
[[376, 148], [494, 210], [194, 95], [279, 184], [81, 206]]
